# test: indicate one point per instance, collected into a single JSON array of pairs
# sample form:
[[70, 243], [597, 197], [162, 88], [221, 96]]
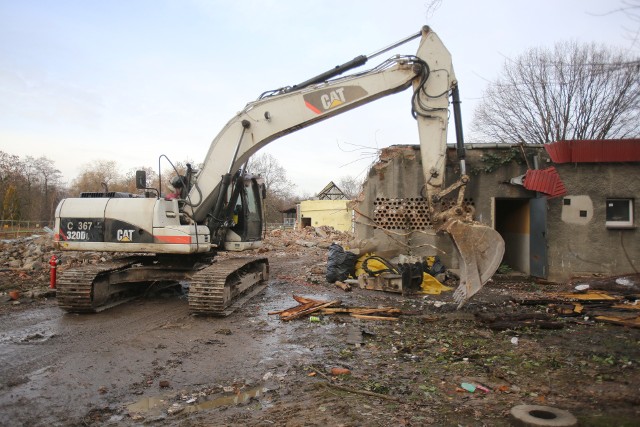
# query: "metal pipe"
[[457, 118], [337, 70], [245, 125], [355, 62], [394, 45]]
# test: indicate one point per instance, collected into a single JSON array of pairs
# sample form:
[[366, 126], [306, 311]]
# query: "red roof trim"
[[594, 151], [545, 181]]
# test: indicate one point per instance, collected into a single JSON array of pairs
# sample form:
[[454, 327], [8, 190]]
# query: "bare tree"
[[279, 188], [49, 180], [350, 186], [95, 174], [631, 9], [10, 177], [572, 92], [273, 173]]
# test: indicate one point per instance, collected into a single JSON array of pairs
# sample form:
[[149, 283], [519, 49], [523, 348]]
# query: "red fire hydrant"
[[53, 262]]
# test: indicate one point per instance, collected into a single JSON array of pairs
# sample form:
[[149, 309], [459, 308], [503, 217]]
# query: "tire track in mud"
[[47, 354]]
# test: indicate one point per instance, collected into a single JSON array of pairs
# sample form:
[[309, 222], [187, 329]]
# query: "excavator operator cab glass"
[[247, 214]]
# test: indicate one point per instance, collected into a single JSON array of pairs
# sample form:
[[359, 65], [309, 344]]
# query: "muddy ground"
[[148, 362]]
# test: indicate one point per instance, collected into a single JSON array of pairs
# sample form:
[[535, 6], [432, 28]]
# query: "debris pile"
[[29, 254], [309, 237], [307, 306], [24, 262]]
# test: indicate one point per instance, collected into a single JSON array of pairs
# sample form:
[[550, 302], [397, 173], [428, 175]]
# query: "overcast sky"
[[131, 80]]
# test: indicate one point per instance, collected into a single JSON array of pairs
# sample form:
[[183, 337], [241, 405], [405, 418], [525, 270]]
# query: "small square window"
[[567, 202], [619, 213], [583, 214]]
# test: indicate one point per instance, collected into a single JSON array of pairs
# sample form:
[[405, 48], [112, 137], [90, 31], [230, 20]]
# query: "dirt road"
[[148, 362]]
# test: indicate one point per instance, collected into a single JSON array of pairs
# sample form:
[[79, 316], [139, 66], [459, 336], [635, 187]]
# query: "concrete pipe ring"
[[542, 416]]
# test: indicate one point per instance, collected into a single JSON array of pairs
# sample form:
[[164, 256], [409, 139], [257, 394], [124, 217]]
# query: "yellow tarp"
[[430, 285]]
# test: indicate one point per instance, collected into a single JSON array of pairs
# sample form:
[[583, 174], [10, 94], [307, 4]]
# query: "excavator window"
[[247, 213]]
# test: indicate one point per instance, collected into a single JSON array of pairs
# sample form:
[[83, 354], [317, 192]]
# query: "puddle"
[[234, 399], [156, 403], [146, 404]]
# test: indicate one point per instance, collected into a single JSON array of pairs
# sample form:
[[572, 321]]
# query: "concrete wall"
[[584, 245], [335, 213], [390, 218]]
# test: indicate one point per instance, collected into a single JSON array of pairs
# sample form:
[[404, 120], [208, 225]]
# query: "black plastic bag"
[[340, 263]]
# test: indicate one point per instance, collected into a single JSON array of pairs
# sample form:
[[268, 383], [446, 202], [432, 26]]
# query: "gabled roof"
[[594, 151], [331, 192]]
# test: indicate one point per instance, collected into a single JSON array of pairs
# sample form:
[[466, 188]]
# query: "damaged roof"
[[594, 151]]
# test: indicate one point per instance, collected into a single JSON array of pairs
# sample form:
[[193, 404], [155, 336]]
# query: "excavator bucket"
[[481, 249]]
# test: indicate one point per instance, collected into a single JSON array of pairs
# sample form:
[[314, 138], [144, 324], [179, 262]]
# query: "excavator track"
[[79, 290], [225, 285]]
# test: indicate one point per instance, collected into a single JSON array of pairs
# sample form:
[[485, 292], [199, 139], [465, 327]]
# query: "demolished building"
[[560, 217]]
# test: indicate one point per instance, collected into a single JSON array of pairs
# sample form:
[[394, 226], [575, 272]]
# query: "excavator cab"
[[248, 214]]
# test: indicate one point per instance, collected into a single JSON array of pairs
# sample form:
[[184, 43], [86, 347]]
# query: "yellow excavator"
[[220, 206]]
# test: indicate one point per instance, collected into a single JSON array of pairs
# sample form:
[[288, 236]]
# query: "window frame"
[[619, 224]]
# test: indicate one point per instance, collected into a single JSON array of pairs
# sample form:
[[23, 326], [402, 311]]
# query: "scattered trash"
[[603, 306], [483, 388], [514, 340], [581, 288], [315, 319], [624, 282], [176, 408], [14, 295], [468, 387], [340, 263], [344, 286], [340, 371]]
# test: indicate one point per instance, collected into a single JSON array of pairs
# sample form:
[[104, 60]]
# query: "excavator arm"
[[294, 108]]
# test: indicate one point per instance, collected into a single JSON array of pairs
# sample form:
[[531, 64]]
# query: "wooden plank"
[[308, 310], [367, 317], [362, 310]]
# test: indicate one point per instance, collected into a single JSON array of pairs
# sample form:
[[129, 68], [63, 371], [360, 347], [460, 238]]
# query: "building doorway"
[[522, 224]]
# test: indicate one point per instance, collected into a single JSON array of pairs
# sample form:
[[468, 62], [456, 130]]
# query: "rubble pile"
[[308, 237], [24, 262], [31, 253], [29, 258]]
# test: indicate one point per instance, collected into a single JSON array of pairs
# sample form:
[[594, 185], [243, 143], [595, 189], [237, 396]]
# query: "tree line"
[[31, 188]]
